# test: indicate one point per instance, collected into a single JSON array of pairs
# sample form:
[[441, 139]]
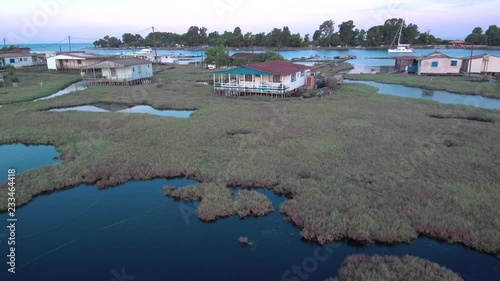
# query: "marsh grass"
[[387, 268], [30, 88], [458, 85], [217, 201], [355, 165]]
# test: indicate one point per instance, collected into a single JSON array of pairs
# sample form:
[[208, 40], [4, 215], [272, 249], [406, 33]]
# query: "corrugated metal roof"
[[435, 55], [243, 70], [15, 55], [84, 55], [278, 67], [117, 63]]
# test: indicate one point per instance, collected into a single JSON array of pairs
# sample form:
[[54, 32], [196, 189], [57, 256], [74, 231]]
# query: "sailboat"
[[401, 48]]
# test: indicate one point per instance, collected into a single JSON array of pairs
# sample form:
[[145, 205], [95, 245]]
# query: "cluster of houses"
[[437, 63]]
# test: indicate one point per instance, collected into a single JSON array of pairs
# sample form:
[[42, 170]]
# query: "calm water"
[[146, 109], [22, 158], [364, 57], [78, 86], [440, 96], [89, 234]]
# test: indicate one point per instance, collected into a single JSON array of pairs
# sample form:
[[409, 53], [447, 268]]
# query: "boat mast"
[[400, 31]]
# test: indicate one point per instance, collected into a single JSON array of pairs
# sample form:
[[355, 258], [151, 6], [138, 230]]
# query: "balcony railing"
[[250, 88]]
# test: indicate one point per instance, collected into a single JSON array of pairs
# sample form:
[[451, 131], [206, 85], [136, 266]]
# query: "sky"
[[51, 21]]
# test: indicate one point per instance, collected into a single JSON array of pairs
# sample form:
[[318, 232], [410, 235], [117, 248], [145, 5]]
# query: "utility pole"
[[470, 61], [4, 44], [154, 42], [69, 42]]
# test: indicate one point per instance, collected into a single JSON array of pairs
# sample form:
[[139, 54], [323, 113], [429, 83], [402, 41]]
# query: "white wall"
[[130, 72], [444, 66], [18, 61], [493, 64]]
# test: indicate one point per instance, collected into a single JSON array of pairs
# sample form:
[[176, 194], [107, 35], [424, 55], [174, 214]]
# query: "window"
[[25, 59], [113, 72], [275, 79], [294, 77], [133, 69], [66, 60], [302, 74], [454, 63], [139, 69], [12, 60], [79, 61], [248, 78], [435, 64]]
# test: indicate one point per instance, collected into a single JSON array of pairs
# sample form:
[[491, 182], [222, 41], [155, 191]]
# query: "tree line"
[[328, 34]]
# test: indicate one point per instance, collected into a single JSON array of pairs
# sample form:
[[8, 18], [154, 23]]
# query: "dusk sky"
[[50, 21]]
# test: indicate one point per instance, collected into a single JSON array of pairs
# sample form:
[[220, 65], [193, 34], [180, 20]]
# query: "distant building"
[[482, 64], [458, 43], [74, 60], [19, 58], [438, 63], [125, 71], [275, 78]]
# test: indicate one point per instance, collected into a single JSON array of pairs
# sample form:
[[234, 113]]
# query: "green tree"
[[217, 55], [296, 40], [346, 31], [375, 36], [213, 37], [410, 33], [270, 55], [286, 36], [327, 29], [477, 37], [493, 34], [307, 40]]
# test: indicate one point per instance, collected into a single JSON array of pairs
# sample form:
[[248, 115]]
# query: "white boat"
[[401, 48]]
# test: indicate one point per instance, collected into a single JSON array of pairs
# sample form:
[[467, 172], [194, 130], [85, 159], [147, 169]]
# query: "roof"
[[118, 63], [479, 56], [243, 70], [82, 55], [14, 54], [406, 58], [278, 67], [247, 55], [435, 55]]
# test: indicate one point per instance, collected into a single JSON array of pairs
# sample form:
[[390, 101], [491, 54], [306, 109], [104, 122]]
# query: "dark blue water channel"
[[439, 96], [132, 230]]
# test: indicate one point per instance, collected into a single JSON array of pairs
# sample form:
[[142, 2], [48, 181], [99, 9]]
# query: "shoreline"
[[199, 48]]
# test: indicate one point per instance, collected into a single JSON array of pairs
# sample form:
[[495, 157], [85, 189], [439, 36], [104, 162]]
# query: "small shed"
[[406, 64], [482, 64], [439, 64]]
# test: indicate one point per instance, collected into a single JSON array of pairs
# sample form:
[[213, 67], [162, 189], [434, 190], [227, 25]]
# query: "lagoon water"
[[22, 158], [440, 96], [78, 86], [133, 230], [145, 109], [363, 57]]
